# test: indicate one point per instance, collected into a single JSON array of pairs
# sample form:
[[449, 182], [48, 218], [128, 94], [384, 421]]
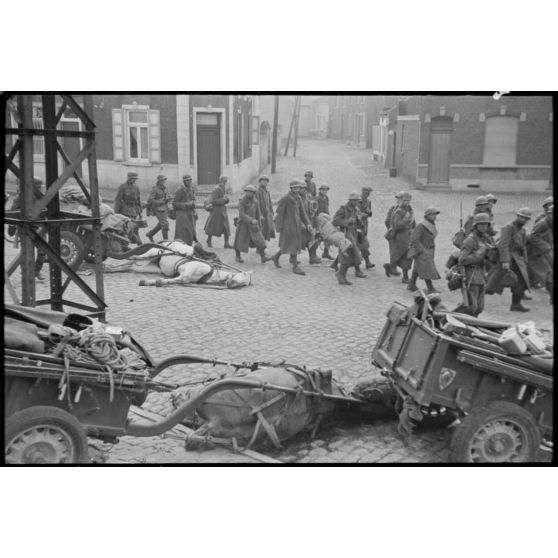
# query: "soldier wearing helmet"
[[512, 255], [399, 235], [473, 259], [310, 206], [323, 207], [249, 226], [158, 205], [482, 205], [290, 220], [546, 204], [423, 247], [266, 207], [540, 251], [365, 206], [128, 202], [310, 184], [217, 223], [184, 203], [349, 220]]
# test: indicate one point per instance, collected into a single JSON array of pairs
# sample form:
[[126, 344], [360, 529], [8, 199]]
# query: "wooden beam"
[[14, 150], [79, 111], [78, 178], [44, 132], [61, 111], [61, 180]]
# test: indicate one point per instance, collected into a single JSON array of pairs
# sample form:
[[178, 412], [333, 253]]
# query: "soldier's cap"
[[548, 201], [161, 177], [323, 187], [481, 218], [295, 183], [524, 212], [431, 211], [132, 175], [263, 177], [354, 196], [250, 188], [481, 200], [187, 177], [491, 197], [223, 177], [406, 196], [309, 173], [367, 189]]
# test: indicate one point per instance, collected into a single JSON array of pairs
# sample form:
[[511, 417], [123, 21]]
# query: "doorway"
[[208, 139], [441, 130]]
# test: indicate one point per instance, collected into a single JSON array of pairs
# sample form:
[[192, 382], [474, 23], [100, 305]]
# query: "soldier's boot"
[[342, 275], [227, 245], [358, 272], [313, 257], [153, 232], [275, 259], [165, 234], [263, 257], [412, 284], [405, 278], [516, 305], [430, 287], [209, 244], [326, 255], [296, 268], [394, 271], [335, 264], [369, 264], [238, 257]]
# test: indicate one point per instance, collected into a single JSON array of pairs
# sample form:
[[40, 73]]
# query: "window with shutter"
[[500, 140], [155, 136], [117, 135], [255, 130]]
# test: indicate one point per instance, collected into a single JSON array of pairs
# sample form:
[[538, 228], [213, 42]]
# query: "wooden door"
[[440, 151], [71, 146], [208, 149]]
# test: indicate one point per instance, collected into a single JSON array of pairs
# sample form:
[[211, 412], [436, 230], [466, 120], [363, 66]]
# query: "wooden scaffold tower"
[[40, 220]]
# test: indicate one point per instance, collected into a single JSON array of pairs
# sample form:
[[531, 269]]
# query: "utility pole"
[[296, 126], [275, 130], [291, 127]]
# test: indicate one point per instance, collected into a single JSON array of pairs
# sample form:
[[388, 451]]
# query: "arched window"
[[500, 140]]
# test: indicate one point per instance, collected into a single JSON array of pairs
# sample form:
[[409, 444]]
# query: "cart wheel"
[[44, 435], [500, 432], [71, 249]]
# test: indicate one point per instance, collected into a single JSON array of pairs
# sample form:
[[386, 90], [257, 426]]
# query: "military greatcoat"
[[218, 220], [266, 207], [248, 234], [402, 223], [349, 220], [540, 251], [290, 219], [423, 246], [128, 200], [184, 203]]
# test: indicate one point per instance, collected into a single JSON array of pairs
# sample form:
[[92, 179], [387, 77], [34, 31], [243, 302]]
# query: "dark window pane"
[[134, 143]]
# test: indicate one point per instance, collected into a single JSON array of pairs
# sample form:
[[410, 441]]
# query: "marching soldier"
[[540, 251], [323, 207], [128, 202], [482, 205], [217, 223], [365, 207], [310, 184], [512, 253], [266, 207], [249, 227], [184, 202], [310, 206], [157, 204], [423, 246], [348, 220], [402, 223], [389, 235], [473, 258], [290, 221]]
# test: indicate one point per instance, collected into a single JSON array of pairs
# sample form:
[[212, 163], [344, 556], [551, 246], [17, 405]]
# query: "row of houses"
[[453, 142], [431, 141]]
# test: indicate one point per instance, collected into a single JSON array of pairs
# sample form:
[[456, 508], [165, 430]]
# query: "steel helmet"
[[431, 211], [524, 212], [323, 187], [398, 195], [406, 196], [295, 183], [481, 218], [550, 209], [354, 195], [481, 200], [263, 177], [491, 198], [548, 201], [309, 173], [250, 188], [367, 188]]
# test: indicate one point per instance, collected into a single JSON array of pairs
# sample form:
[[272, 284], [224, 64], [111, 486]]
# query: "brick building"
[[205, 135], [459, 142]]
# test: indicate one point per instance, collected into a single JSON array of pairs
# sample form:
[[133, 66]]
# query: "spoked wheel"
[[500, 432], [44, 435], [71, 249]]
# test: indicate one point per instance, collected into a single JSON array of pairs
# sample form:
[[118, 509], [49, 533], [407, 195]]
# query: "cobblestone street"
[[307, 320]]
